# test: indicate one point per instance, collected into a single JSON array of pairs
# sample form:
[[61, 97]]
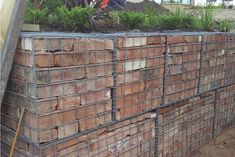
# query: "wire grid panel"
[[183, 65], [225, 108], [230, 61], [140, 70], [133, 137], [185, 126], [66, 83], [213, 62]]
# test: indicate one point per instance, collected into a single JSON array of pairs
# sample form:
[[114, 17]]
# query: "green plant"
[[76, 19], [151, 18], [225, 26], [206, 20], [132, 20], [36, 16], [176, 20]]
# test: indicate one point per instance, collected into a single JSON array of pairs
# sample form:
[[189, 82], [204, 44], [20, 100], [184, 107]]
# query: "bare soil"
[[222, 146]]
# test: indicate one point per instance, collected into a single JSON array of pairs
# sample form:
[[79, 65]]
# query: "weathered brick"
[[173, 39], [131, 65], [96, 57], [127, 89], [100, 83], [128, 77], [92, 110], [34, 44], [68, 102], [99, 70], [156, 40], [96, 96], [137, 53], [86, 44], [132, 41], [39, 60], [64, 59], [67, 130]]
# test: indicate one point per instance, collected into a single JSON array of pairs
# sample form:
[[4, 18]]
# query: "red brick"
[[67, 130], [63, 59], [68, 102], [100, 83], [173, 39], [184, 48], [40, 59], [126, 89], [86, 44], [156, 40], [44, 136], [138, 53], [96, 57], [92, 110], [46, 44], [96, 96], [155, 62], [131, 41], [129, 77], [56, 90], [99, 70]]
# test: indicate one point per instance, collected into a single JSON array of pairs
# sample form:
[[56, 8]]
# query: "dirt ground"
[[222, 146]]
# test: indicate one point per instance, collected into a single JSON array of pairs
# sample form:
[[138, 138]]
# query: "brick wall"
[[176, 85]]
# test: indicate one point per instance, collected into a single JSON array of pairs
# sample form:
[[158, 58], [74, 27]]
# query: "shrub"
[[76, 19], [132, 20], [36, 16], [176, 20]]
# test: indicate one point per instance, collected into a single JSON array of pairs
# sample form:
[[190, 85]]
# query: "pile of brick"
[[119, 94]]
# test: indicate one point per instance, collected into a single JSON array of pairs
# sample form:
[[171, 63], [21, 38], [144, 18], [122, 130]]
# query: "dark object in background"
[[142, 7]]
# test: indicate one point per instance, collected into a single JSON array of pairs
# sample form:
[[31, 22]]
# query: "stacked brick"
[[225, 107], [119, 95], [133, 137], [140, 74], [183, 66], [186, 126], [65, 85], [213, 62]]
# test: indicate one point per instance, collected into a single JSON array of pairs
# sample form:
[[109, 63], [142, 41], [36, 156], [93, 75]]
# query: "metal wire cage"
[[123, 94]]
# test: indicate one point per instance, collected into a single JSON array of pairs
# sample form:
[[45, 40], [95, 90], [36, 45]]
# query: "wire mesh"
[[136, 94]]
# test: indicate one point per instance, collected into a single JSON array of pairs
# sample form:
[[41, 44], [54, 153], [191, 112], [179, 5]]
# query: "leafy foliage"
[[132, 20], [76, 19], [36, 16], [176, 20]]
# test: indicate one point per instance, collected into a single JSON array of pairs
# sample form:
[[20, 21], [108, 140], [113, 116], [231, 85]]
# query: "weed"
[[225, 26], [206, 20]]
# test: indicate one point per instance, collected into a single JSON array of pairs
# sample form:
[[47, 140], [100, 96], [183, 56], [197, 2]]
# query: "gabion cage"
[[123, 94]]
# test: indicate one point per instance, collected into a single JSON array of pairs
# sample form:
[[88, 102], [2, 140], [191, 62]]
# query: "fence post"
[[214, 117], [156, 133], [201, 62], [114, 92], [165, 70]]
